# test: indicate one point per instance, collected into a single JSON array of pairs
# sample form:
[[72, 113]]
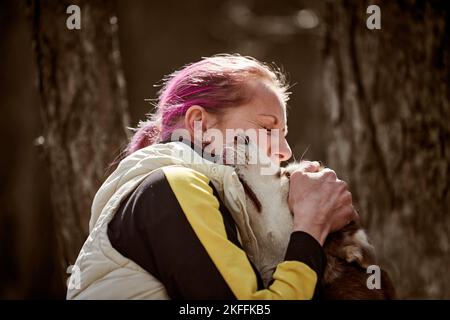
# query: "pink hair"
[[214, 83]]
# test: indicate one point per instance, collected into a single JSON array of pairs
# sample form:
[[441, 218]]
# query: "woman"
[[169, 223]]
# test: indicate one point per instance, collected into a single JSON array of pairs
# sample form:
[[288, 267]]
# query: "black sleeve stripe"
[[304, 248]]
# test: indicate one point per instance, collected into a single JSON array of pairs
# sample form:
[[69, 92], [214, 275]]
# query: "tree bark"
[[387, 96], [83, 107]]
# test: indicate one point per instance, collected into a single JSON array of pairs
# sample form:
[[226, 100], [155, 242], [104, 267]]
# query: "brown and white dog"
[[348, 251]]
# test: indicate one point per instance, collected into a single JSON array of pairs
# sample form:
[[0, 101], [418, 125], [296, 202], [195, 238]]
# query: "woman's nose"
[[284, 151]]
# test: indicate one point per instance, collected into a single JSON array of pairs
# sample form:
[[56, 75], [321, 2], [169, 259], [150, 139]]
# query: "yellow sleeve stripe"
[[293, 279]]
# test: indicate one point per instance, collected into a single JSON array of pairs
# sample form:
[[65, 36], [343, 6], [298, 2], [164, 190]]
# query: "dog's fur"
[[348, 251]]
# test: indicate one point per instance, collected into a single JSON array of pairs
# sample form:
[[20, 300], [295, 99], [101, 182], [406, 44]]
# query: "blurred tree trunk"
[[83, 108], [387, 96]]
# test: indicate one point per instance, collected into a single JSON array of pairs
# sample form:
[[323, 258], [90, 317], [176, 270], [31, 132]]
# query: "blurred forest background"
[[372, 104]]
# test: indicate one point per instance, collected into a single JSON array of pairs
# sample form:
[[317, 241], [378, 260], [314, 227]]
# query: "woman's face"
[[265, 111]]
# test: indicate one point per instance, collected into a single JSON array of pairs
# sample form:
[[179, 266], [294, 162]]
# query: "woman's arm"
[[174, 227]]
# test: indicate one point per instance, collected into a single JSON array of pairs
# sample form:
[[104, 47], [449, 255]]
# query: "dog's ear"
[[352, 245], [367, 251]]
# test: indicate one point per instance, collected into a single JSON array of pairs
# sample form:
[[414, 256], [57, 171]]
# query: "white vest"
[[103, 272]]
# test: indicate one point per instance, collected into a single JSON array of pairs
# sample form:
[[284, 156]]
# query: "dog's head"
[[266, 187]]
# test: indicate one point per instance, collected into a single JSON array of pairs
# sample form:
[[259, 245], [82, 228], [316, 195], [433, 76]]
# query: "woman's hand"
[[320, 202]]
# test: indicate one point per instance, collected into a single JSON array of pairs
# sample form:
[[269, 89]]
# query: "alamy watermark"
[[73, 21], [234, 147], [374, 20], [374, 280]]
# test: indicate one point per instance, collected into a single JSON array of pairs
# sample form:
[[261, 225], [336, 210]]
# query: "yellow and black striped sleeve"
[[175, 226]]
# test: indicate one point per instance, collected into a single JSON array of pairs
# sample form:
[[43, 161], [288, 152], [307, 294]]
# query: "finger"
[[342, 183], [351, 214], [329, 174], [310, 166], [346, 198], [346, 214], [355, 216]]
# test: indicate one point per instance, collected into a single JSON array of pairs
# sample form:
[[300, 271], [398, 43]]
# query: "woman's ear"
[[195, 118]]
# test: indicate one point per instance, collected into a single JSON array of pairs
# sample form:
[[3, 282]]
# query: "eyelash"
[[268, 130]]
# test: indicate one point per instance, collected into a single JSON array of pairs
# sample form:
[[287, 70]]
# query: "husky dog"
[[348, 251]]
